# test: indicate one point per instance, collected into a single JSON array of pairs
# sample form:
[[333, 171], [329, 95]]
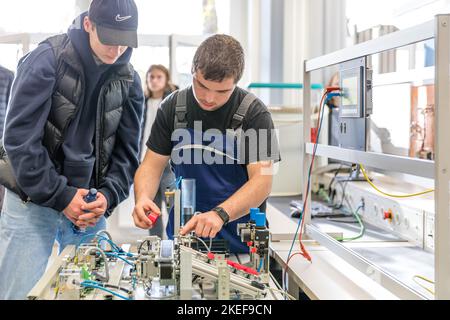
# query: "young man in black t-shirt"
[[218, 134]]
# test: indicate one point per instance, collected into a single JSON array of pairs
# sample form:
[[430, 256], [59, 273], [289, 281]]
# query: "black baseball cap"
[[116, 22]]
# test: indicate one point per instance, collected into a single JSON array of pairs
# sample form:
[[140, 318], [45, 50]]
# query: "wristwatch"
[[222, 214]]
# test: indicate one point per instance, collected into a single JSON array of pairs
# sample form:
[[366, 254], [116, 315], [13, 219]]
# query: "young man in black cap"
[[73, 124]]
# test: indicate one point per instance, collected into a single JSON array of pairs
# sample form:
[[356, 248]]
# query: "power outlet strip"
[[405, 218]]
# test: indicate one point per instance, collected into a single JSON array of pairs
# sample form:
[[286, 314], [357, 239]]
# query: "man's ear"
[[87, 24]]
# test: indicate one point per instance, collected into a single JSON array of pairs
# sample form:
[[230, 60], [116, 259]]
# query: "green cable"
[[363, 228], [324, 195]]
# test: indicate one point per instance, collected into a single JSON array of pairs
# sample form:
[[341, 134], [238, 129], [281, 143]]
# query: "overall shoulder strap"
[[180, 121], [240, 113]]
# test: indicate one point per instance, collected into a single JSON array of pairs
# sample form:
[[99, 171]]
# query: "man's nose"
[[209, 97], [116, 50]]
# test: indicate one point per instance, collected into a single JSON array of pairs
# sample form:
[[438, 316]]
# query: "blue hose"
[[93, 285], [261, 261]]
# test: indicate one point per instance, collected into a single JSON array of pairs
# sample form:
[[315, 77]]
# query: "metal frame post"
[[306, 158], [442, 162]]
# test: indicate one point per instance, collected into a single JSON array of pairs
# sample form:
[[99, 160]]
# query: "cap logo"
[[120, 19]]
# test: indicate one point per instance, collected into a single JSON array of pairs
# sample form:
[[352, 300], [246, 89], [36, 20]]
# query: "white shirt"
[[152, 109]]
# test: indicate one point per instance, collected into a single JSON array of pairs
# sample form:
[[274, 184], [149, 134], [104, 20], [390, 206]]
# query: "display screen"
[[350, 91]]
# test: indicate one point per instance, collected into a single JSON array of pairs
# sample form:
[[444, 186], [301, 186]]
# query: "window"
[[47, 16], [179, 17], [365, 14]]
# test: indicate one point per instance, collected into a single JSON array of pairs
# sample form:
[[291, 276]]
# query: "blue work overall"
[[215, 182]]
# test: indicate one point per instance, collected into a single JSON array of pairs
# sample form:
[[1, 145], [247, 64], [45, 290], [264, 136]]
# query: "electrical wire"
[[334, 178], [107, 285], [88, 285], [300, 222], [361, 224], [114, 246], [344, 188], [178, 182], [104, 232], [84, 238], [274, 280], [105, 260], [285, 294], [110, 254], [142, 244], [285, 271], [303, 252], [204, 243], [421, 285], [389, 194]]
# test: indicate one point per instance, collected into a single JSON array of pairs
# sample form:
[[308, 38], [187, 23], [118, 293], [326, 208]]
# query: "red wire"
[[292, 255], [303, 250], [287, 264]]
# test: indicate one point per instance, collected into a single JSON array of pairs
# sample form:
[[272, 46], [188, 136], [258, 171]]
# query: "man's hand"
[[141, 211], [206, 225], [74, 211], [94, 210]]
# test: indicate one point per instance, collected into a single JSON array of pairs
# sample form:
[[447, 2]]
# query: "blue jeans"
[[27, 234]]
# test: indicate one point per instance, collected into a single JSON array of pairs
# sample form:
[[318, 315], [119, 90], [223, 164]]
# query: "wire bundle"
[[299, 231]]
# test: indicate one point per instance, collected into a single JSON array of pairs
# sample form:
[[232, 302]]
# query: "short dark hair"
[[219, 57]]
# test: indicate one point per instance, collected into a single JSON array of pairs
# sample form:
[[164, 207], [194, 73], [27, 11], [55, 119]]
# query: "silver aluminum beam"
[[211, 272], [116, 273], [442, 116], [306, 157], [416, 167], [43, 286], [390, 41], [372, 271]]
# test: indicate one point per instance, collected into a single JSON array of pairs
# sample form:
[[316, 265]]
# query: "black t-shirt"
[[257, 118]]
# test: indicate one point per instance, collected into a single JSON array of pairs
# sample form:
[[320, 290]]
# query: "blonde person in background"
[[158, 87]]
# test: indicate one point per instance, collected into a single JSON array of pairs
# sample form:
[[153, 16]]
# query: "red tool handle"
[[236, 265], [153, 217]]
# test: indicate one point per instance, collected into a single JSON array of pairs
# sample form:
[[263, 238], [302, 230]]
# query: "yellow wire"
[[389, 194], [424, 279]]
